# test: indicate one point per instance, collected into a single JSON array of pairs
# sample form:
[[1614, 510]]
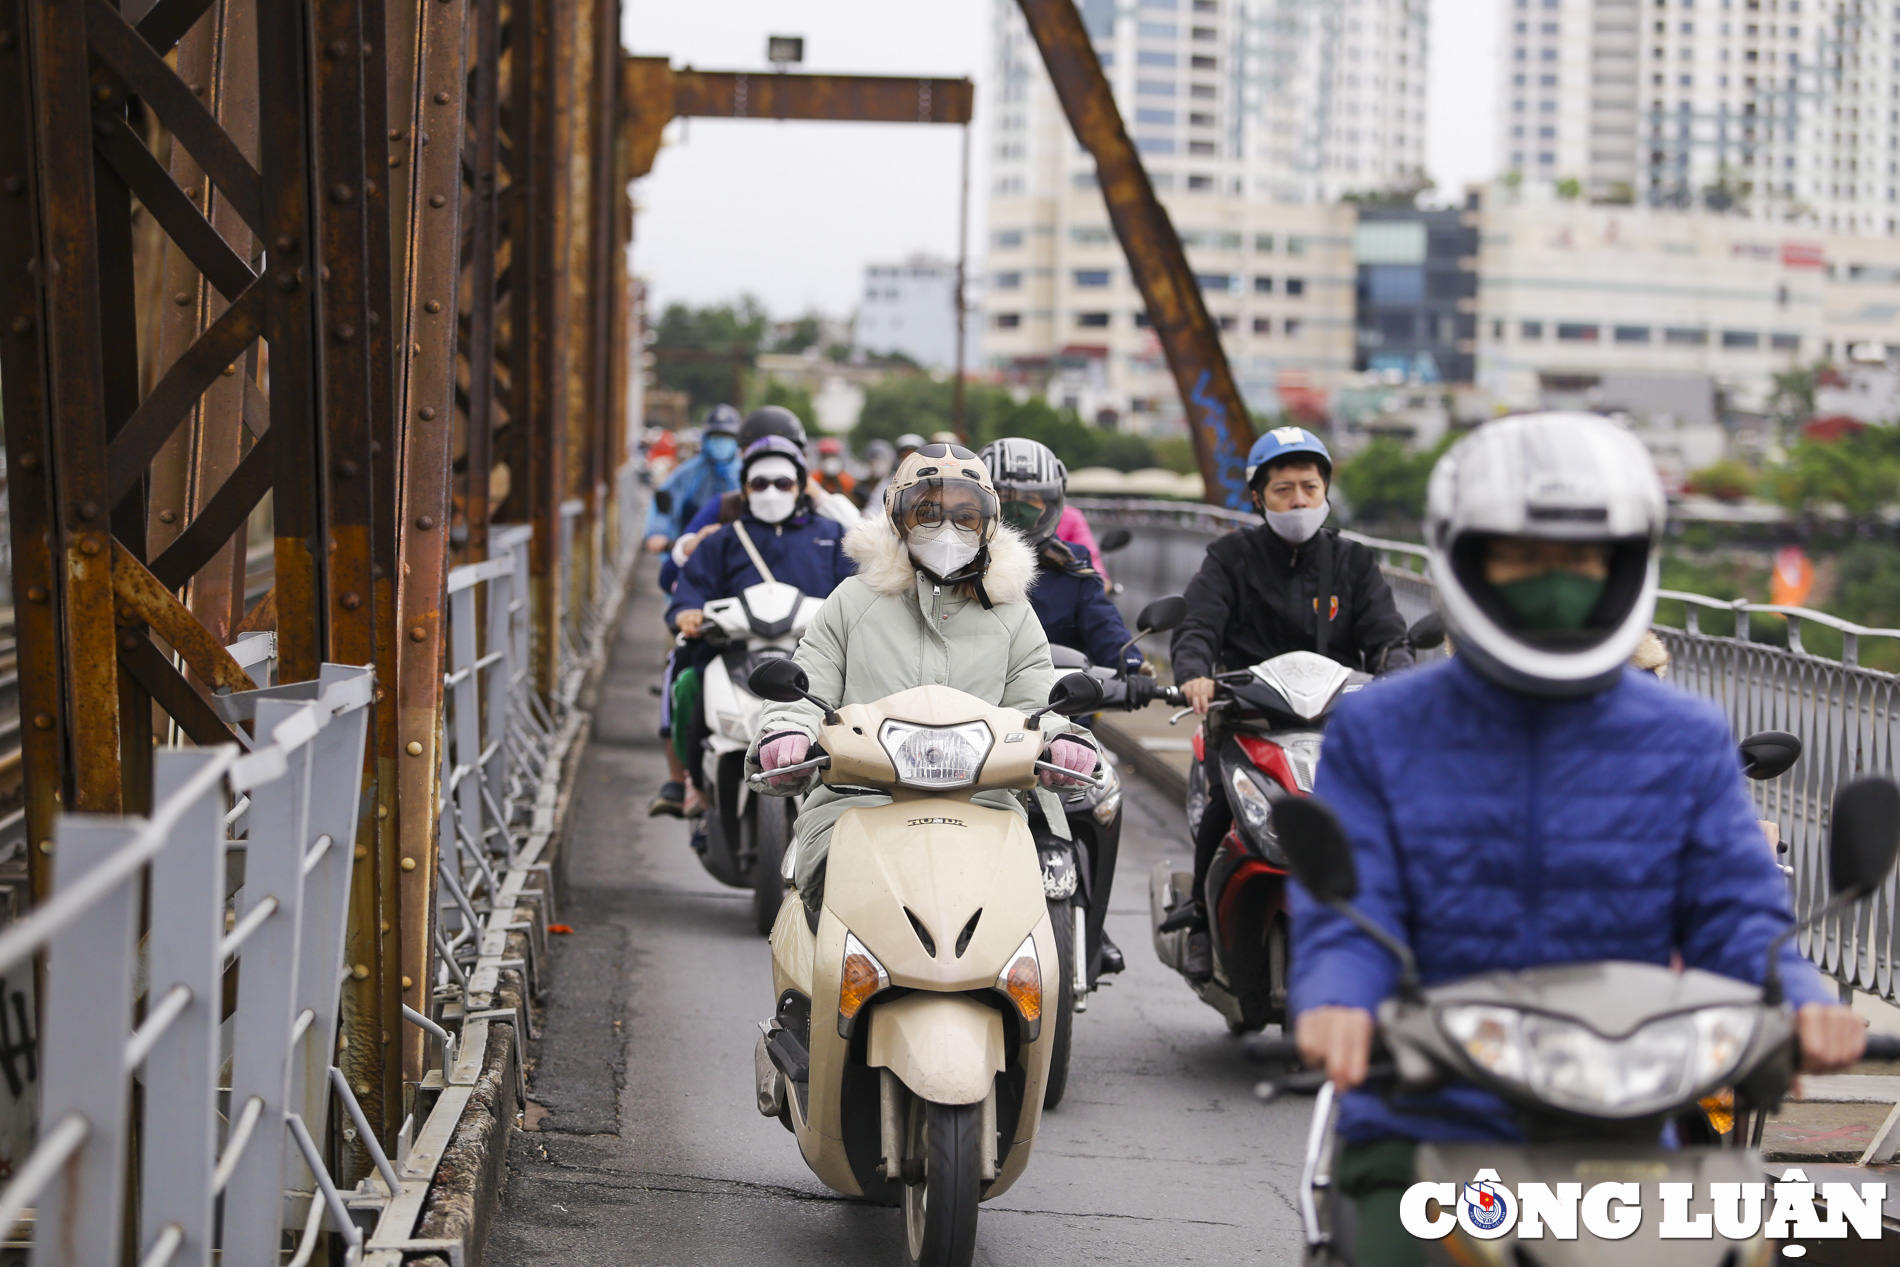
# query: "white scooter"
[[746, 834]]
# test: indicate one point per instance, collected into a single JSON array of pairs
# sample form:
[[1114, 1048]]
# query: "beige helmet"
[[943, 507]]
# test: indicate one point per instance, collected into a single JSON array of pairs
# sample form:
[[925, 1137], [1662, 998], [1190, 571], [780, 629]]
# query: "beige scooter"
[[908, 1052]]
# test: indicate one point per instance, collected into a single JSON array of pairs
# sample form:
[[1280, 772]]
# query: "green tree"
[[707, 352], [1791, 400], [774, 391], [1859, 473], [1385, 481], [801, 334], [923, 405], [1726, 480]]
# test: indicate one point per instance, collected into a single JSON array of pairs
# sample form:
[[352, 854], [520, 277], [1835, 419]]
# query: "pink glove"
[[1070, 754], [780, 751]]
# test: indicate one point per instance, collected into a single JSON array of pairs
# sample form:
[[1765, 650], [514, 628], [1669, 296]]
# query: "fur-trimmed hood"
[[885, 565]]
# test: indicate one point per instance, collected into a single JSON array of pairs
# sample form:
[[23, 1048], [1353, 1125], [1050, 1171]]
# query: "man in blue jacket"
[[1534, 800], [706, 476], [796, 546]]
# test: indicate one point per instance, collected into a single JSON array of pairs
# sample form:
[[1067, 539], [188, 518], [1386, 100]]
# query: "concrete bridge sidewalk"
[[643, 1145]]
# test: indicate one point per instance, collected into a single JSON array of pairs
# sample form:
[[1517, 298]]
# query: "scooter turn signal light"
[[1022, 981], [863, 976]]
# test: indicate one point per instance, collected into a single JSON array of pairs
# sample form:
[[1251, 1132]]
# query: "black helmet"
[[1029, 480], [771, 420], [720, 420]]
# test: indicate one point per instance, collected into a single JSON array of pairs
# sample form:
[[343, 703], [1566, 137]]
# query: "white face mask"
[[945, 549], [771, 506], [1298, 526]]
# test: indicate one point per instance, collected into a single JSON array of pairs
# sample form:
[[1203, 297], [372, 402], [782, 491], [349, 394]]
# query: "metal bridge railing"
[[1847, 715], [244, 863]]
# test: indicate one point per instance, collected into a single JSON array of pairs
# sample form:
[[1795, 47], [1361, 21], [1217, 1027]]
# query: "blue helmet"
[[721, 420], [1285, 442]]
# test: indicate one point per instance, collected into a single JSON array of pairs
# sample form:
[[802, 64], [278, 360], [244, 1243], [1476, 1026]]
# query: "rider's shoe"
[[1190, 914], [1112, 960], [1197, 957], [698, 840], [671, 800], [695, 805]]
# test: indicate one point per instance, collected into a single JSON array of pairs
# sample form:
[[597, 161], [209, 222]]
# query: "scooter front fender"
[[946, 1048]]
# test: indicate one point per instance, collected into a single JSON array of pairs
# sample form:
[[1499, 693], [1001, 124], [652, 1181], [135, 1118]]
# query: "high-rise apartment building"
[[1253, 117], [1780, 110]]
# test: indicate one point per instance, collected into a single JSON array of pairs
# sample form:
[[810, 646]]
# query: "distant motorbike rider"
[[940, 596], [768, 420], [880, 459], [697, 481], [907, 444], [833, 474], [1290, 584], [1068, 596], [1497, 819], [777, 532]]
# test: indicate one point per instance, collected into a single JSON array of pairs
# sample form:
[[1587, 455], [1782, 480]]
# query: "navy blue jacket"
[[1494, 830], [806, 550], [1073, 607]]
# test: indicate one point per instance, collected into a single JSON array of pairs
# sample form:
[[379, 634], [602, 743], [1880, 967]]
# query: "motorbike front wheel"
[[1062, 917], [771, 833], [940, 1211]]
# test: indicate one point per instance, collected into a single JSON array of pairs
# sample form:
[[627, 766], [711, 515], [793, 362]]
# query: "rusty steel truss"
[[343, 278]]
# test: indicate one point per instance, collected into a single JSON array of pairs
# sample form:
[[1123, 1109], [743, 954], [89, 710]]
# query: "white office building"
[[911, 308], [1252, 117], [1776, 110]]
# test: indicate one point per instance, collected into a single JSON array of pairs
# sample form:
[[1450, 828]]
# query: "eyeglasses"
[[956, 451], [783, 483]]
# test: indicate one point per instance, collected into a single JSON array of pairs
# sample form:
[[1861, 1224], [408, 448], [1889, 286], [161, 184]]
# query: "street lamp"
[[784, 50]]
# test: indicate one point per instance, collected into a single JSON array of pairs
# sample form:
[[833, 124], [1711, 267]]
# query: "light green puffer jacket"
[[890, 628]]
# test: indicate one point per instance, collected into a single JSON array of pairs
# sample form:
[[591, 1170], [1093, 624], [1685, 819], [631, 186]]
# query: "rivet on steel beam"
[[168, 516], [338, 48], [426, 413], [103, 128], [368, 48], [286, 243], [362, 851], [437, 200], [88, 510], [323, 272], [36, 594], [29, 461], [103, 92], [346, 333], [360, 971], [385, 925], [197, 90], [418, 633], [373, 319], [395, 160], [408, 864], [414, 749], [89, 545], [425, 522], [182, 299], [362, 1088], [128, 614], [347, 469], [287, 279], [341, 192], [442, 98], [22, 325], [369, 189], [407, 984], [351, 602], [434, 305], [382, 811], [42, 721], [229, 370], [129, 641], [46, 847]]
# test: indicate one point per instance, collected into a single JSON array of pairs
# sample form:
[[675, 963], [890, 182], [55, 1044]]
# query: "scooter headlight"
[[862, 977], [936, 756], [1022, 981], [1572, 1066], [1251, 803]]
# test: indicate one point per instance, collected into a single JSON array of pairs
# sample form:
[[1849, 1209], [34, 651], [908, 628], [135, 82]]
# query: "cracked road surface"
[[646, 1147]]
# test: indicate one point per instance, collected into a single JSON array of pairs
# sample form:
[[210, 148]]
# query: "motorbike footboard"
[[1583, 1204]]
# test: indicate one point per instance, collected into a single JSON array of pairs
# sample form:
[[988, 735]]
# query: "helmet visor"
[[1032, 512], [934, 500]]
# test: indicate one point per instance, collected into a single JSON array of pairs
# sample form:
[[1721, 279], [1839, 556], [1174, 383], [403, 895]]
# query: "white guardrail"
[[201, 1134], [1846, 715]]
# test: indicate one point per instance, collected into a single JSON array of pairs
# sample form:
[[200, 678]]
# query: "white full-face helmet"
[[1565, 477]]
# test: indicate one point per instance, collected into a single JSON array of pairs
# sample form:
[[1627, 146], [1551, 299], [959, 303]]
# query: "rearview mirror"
[[1769, 754], [1114, 539], [1865, 836], [1427, 631], [1163, 613], [1075, 694], [1317, 848], [782, 681]]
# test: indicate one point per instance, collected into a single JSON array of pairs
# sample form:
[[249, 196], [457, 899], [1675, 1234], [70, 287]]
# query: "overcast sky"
[[791, 212]]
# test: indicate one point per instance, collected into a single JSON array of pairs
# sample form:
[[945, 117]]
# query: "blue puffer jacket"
[[1074, 608], [1493, 830], [806, 550]]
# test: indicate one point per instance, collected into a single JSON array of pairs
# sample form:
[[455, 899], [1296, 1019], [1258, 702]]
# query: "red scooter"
[[1272, 720]]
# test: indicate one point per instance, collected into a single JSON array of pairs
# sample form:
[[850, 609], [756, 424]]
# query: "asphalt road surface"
[[644, 1144]]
